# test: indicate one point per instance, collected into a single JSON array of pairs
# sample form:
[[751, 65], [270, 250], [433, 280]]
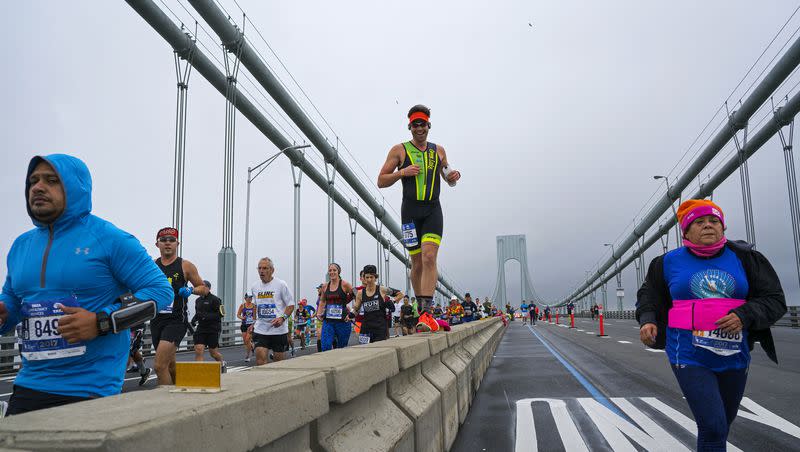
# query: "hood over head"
[[77, 183]]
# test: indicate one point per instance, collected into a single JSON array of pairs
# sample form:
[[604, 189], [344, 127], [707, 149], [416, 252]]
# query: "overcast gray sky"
[[557, 127]]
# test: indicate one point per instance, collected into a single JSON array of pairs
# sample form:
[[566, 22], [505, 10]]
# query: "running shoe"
[[247, 359], [145, 376], [427, 323], [132, 369], [224, 367]]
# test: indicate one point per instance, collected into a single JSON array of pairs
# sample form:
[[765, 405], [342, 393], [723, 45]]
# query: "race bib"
[[39, 331], [363, 338], [334, 311], [267, 311], [718, 341], [455, 319], [410, 239], [468, 312]]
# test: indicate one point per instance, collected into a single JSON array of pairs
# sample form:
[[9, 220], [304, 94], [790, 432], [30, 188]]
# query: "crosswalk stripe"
[[624, 342], [654, 350]]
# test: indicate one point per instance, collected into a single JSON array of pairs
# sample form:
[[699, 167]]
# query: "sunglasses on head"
[[167, 239]]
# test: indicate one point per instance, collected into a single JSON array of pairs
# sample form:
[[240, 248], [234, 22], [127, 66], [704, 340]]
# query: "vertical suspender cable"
[[744, 176], [791, 185], [182, 74]]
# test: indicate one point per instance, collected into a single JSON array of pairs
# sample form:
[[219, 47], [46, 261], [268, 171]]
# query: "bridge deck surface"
[[620, 376]]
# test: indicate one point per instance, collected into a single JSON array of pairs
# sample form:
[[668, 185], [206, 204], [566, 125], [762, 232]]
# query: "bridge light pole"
[[250, 178], [677, 224], [620, 291]]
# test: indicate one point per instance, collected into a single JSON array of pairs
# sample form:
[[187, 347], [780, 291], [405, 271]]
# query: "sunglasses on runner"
[[419, 124], [167, 239]]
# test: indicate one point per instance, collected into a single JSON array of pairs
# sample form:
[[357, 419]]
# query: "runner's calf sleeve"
[[425, 304], [132, 313]]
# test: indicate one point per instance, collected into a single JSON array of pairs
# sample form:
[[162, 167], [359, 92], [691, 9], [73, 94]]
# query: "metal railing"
[[230, 336], [790, 319]]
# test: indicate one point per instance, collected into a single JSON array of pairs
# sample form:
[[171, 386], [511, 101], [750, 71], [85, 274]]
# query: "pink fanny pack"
[[700, 314]]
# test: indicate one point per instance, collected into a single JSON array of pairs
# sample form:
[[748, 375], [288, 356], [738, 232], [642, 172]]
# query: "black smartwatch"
[[103, 323]]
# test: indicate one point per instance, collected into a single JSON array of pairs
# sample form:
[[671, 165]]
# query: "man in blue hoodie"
[[68, 285]]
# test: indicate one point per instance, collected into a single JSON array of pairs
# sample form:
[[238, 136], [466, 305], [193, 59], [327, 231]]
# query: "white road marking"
[[526, 431], [654, 350], [764, 416], [589, 332], [624, 342], [580, 330], [688, 424], [661, 437]]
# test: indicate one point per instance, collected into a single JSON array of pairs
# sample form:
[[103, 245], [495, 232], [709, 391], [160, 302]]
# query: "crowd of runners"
[[79, 290]]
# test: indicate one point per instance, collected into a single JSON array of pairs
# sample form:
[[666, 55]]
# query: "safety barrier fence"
[[405, 394], [791, 319], [230, 336]]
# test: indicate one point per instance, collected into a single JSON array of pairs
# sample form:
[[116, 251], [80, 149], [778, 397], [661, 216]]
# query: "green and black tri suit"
[[421, 213]]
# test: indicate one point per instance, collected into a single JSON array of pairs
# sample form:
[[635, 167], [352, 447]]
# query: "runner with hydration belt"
[[707, 303]]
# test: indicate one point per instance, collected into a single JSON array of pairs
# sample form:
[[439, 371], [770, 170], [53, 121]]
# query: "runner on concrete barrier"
[[707, 303], [208, 314], [75, 342], [420, 164], [247, 314], [336, 293], [170, 325], [274, 304], [372, 298]]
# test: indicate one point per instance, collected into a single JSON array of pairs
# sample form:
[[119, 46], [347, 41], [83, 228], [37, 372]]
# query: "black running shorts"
[[278, 343], [24, 400], [169, 330], [422, 222], [208, 338]]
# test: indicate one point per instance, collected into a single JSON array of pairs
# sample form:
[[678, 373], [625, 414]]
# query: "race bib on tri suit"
[[410, 235], [363, 339], [718, 341], [267, 311], [333, 311], [39, 332]]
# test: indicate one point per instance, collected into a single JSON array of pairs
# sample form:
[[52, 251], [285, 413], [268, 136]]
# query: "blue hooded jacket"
[[90, 259]]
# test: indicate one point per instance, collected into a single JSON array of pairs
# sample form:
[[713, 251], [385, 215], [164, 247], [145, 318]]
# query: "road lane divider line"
[[596, 394]]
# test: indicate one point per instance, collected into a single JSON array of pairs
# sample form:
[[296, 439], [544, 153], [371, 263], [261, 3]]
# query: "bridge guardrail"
[[231, 335], [407, 393], [790, 319]]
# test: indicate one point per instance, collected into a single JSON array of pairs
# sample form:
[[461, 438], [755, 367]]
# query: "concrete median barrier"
[[403, 394]]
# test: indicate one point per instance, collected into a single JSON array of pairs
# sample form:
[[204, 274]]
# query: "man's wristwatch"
[[103, 323], [284, 316]]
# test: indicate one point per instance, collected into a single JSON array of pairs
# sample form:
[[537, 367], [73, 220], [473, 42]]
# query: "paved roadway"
[[233, 356], [530, 400]]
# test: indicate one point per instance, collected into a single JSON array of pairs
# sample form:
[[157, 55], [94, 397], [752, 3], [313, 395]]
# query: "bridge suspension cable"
[[156, 18], [738, 119]]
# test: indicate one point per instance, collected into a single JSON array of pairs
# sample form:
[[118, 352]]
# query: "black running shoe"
[[132, 369], [145, 376]]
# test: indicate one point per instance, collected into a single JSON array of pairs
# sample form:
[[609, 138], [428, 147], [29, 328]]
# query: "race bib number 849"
[[39, 331]]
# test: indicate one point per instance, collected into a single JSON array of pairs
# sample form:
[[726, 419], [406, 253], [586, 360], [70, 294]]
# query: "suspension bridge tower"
[[512, 247]]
